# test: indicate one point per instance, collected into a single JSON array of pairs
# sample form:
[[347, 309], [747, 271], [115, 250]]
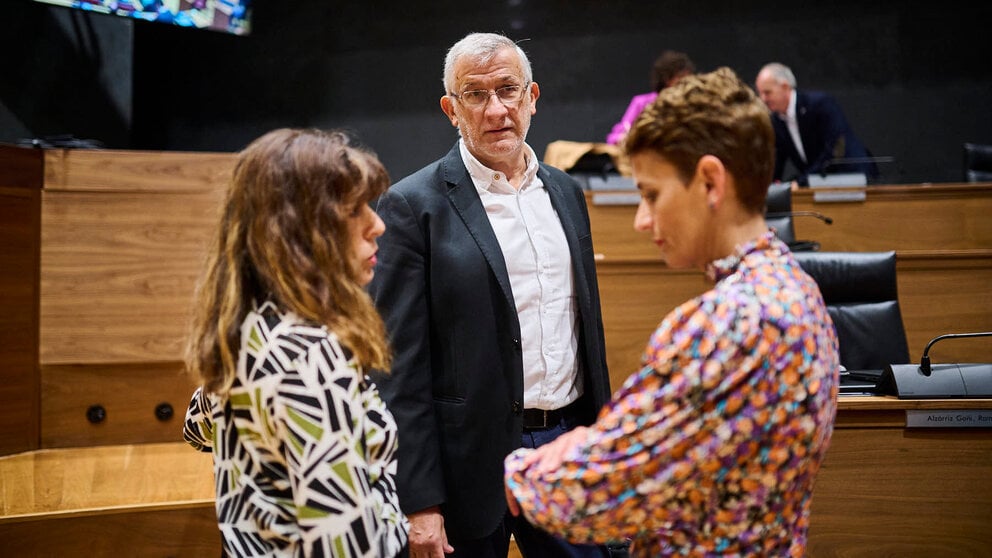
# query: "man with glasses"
[[487, 285]]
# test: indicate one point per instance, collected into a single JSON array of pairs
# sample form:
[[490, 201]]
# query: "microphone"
[[925, 360], [926, 381], [782, 214]]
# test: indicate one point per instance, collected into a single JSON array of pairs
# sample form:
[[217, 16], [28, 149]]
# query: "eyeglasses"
[[509, 95]]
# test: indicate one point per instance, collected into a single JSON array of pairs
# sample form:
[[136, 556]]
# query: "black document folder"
[[859, 381]]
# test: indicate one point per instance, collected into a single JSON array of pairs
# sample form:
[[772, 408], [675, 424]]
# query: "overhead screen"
[[228, 16]]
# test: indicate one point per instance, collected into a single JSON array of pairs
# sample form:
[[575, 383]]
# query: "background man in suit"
[[487, 285], [810, 129]]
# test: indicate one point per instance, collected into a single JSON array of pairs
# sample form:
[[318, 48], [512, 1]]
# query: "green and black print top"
[[304, 449]]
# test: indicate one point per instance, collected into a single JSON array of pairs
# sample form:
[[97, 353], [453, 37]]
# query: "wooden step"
[[134, 500]]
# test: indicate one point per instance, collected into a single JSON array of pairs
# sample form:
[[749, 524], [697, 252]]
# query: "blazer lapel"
[[805, 123], [466, 201]]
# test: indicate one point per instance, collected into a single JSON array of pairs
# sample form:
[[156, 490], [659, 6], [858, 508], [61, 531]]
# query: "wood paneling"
[[136, 171], [143, 531], [885, 490], [100, 254], [20, 168], [123, 235], [635, 297], [918, 218], [118, 271], [19, 215], [77, 480], [926, 217], [946, 293], [134, 500], [129, 395]]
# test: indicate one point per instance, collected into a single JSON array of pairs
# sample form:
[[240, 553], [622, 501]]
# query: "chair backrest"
[[859, 289], [977, 162], [778, 209]]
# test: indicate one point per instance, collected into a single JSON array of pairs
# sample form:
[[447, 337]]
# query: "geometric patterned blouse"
[[303, 447], [711, 449]]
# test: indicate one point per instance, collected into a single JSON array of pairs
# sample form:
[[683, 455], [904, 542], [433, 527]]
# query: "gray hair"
[[481, 47], [781, 73]]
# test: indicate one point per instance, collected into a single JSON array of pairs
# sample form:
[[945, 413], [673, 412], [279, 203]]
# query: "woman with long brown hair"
[[304, 449]]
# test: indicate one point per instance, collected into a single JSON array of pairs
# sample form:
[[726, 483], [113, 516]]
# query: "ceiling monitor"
[[228, 16]]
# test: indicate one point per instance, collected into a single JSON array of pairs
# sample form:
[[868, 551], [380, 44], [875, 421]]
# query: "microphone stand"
[[923, 381], [782, 214], [925, 360]]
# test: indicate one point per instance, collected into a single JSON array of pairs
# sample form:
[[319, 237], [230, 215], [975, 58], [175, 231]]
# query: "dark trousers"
[[532, 542]]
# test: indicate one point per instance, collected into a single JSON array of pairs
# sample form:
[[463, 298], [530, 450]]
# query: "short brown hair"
[[711, 114]]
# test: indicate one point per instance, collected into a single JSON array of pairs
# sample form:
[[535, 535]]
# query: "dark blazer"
[[456, 387], [826, 136]]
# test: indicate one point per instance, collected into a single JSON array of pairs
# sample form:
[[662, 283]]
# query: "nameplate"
[[837, 196], [843, 187], [616, 199], [949, 419]]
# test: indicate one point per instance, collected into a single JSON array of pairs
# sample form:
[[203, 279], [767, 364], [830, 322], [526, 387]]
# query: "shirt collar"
[[488, 180], [717, 270], [791, 111]]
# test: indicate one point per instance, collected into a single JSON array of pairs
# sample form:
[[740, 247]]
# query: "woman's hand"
[[550, 456]]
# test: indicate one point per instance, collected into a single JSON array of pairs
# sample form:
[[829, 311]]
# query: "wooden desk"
[[885, 490], [917, 218], [910, 219]]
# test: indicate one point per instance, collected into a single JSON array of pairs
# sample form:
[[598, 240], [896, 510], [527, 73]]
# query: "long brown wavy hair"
[[283, 236]]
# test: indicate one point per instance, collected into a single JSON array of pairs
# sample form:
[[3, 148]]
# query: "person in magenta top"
[[667, 69], [712, 448]]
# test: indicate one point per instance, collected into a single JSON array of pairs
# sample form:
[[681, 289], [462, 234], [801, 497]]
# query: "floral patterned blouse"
[[304, 449], [711, 449]]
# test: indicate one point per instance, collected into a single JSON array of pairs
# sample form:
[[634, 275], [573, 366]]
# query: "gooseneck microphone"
[[925, 360], [782, 214]]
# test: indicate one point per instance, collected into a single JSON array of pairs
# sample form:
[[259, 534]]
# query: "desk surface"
[[888, 403]]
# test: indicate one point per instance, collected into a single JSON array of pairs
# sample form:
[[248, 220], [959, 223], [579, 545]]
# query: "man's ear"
[[535, 92], [714, 175], [449, 109]]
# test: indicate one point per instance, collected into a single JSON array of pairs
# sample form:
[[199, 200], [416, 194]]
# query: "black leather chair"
[[779, 215], [977, 162], [859, 289], [778, 212]]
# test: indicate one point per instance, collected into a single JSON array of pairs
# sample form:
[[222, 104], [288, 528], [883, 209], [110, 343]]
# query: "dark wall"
[[64, 72], [914, 82]]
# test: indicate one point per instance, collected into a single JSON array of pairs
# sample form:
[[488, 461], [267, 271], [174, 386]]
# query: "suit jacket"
[[825, 135], [456, 387]]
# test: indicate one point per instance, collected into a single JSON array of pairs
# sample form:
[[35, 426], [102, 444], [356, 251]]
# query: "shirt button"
[[516, 407], [496, 176]]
